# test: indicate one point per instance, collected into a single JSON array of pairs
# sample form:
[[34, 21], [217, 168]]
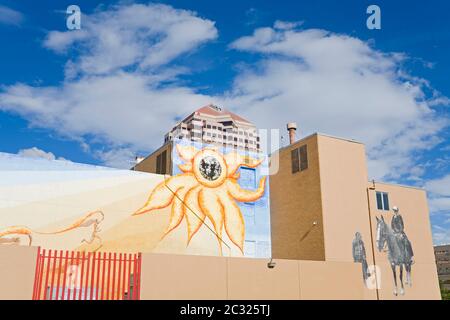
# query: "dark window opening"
[[161, 165], [303, 157], [295, 160], [299, 159]]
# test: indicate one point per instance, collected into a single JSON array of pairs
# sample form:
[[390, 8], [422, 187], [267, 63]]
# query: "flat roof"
[[318, 134], [398, 185]]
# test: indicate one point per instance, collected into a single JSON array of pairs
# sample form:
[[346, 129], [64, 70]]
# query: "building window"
[[161, 163], [295, 160], [303, 150], [299, 159], [382, 201]]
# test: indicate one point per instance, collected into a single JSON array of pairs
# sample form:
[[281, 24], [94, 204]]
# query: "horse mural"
[[399, 249]]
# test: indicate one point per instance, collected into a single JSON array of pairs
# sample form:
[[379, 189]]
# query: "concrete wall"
[[412, 203], [17, 269], [190, 277], [295, 203], [343, 183], [343, 179]]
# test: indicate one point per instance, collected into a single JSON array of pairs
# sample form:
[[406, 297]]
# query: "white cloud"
[[286, 25], [10, 16], [441, 235], [439, 186], [338, 85], [37, 153], [439, 194], [123, 89], [120, 109], [146, 36], [121, 158]]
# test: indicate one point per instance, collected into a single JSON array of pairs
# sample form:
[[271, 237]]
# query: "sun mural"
[[207, 188]]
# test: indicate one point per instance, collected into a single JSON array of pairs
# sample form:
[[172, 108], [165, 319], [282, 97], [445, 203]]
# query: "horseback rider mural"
[[398, 227], [359, 255], [393, 240]]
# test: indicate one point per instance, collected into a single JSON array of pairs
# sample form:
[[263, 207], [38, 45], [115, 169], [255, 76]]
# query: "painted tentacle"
[[213, 209], [185, 167], [234, 160], [177, 212], [163, 194], [187, 153], [244, 195], [234, 221], [194, 219]]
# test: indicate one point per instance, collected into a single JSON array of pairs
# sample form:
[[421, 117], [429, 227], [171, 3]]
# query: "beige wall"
[[334, 191], [343, 179], [191, 277], [17, 269], [295, 203], [413, 207], [343, 182], [166, 276], [252, 279], [331, 281], [149, 163]]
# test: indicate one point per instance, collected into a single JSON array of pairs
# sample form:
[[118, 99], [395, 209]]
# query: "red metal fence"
[[70, 275]]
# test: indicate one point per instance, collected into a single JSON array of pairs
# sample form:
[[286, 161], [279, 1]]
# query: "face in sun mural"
[[207, 188]]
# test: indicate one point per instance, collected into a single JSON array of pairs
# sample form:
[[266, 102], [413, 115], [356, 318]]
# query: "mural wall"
[[201, 209], [392, 240], [235, 178], [395, 250]]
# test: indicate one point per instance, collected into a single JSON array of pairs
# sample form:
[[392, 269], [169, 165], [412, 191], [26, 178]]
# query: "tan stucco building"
[[321, 196], [323, 209], [210, 125]]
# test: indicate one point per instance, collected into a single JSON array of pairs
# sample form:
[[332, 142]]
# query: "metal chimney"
[[292, 128]]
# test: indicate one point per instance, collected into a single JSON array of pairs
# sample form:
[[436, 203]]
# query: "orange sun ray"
[[234, 222], [164, 193], [210, 205], [177, 212], [193, 220], [243, 195], [187, 153]]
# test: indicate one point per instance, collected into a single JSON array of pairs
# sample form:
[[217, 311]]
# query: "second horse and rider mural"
[[392, 240]]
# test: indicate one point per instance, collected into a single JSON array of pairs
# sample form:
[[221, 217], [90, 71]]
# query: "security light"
[[271, 264]]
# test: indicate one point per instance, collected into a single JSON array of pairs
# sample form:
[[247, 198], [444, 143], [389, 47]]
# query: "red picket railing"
[[64, 275]]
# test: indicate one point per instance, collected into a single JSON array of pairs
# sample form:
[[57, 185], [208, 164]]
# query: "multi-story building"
[[442, 254], [327, 231], [209, 125], [214, 125], [321, 197]]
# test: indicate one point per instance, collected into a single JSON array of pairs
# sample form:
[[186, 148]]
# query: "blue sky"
[[109, 91]]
